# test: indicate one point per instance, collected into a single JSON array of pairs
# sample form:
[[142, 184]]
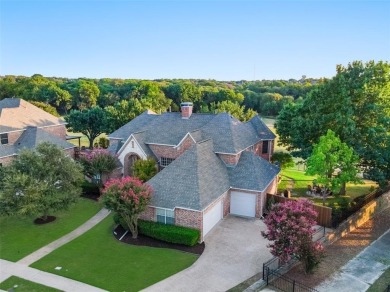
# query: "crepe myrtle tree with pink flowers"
[[128, 197], [290, 227]]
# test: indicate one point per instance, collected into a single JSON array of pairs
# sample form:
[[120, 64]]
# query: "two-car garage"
[[241, 204]]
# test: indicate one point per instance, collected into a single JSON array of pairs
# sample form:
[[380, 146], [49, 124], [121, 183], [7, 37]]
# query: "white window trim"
[[165, 214], [165, 161]]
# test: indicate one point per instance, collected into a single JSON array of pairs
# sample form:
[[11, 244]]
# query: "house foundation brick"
[[149, 214], [188, 218]]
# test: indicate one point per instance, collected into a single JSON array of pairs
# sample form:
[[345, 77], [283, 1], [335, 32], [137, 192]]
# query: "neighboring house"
[[211, 165], [23, 125]]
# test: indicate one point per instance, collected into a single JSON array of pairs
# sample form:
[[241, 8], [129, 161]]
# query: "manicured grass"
[[382, 283], [98, 259], [298, 181], [22, 285], [83, 140], [20, 236]]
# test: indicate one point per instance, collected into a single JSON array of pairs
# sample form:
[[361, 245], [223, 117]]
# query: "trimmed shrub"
[[169, 233], [90, 190]]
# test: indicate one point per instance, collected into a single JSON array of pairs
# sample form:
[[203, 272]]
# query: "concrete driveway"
[[235, 251]]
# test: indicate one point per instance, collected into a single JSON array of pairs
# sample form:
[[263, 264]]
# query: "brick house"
[[23, 125], [211, 165]]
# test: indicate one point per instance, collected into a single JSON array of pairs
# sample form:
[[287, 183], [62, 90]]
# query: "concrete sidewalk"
[[362, 271], [21, 269], [40, 253], [15, 269]]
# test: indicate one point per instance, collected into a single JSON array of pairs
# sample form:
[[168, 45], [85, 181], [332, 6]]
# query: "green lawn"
[[83, 140], [22, 285], [382, 283], [297, 181], [20, 236], [98, 259]]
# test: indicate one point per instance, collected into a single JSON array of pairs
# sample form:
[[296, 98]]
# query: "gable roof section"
[[30, 139], [192, 181], [138, 124], [32, 136], [261, 129], [252, 173], [16, 114]]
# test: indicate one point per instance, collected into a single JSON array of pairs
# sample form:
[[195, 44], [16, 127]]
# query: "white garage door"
[[212, 217], [243, 204]]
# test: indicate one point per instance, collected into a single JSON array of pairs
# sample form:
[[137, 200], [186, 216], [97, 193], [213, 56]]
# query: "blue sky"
[[222, 40]]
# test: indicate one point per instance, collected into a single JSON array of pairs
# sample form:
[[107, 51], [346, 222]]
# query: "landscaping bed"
[[144, 240]]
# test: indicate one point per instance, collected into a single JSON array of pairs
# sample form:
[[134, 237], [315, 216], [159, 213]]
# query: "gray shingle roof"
[[193, 181], [229, 135], [261, 129], [30, 138], [252, 172]]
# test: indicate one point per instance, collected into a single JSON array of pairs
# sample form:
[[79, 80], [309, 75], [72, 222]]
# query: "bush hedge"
[[169, 233], [90, 190]]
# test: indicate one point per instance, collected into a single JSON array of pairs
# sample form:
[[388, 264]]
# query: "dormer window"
[[4, 138]]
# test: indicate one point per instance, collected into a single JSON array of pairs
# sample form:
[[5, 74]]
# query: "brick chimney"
[[186, 110]]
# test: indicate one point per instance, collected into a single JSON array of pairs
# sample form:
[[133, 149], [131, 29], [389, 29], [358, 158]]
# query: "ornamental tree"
[[290, 227], [40, 182], [334, 162], [128, 197], [99, 162], [145, 169]]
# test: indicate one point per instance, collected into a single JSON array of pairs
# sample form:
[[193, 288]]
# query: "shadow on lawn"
[[143, 240]]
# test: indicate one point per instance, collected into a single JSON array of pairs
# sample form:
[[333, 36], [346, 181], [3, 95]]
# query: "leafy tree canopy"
[[91, 122], [334, 162], [355, 104], [145, 169], [39, 182]]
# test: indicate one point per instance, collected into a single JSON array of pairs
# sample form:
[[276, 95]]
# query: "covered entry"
[[242, 204]]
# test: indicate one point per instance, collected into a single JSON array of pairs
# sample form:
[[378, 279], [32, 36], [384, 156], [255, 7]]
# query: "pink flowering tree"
[[99, 162], [128, 197], [290, 228]]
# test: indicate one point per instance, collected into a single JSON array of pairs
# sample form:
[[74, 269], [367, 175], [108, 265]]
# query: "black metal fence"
[[284, 283]]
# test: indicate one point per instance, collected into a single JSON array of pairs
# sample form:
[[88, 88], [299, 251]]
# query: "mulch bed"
[[40, 221], [143, 240]]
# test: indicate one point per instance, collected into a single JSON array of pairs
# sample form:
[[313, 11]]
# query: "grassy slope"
[[100, 260], [23, 285], [20, 237], [382, 283]]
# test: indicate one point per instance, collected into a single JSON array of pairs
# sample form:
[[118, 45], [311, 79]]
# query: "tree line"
[[134, 96]]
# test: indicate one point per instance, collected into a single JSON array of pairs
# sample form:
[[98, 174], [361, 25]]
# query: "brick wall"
[[188, 218], [230, 159], [149, 214], [170, 151], [59, 131], [13, 136]]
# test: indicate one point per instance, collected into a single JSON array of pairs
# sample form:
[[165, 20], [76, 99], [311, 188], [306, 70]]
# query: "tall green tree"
[[145, 169], [355, 104], [334, 162], [234, 109], [91, 122], [40, 182]]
